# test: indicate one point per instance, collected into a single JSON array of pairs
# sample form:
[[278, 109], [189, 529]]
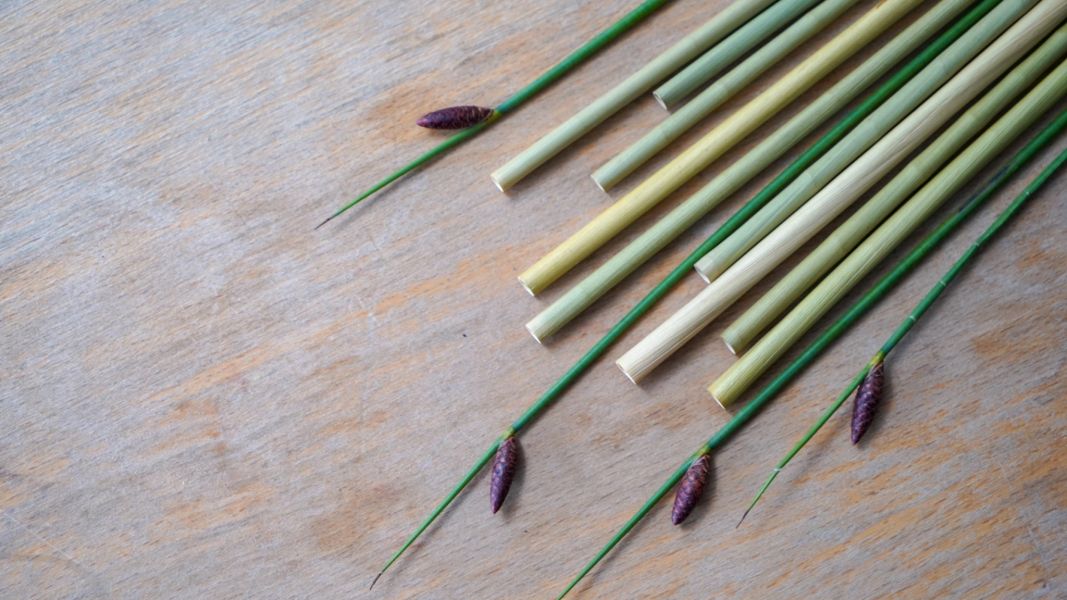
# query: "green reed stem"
[[680, 272], [839, 327], [976, 201], [584, 52]]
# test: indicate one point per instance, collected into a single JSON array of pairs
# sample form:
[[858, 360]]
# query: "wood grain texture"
[[199, 397]]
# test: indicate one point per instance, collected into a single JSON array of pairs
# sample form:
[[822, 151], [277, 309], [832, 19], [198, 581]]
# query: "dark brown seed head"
[[504, 465], [867, 397], [691, 488], [455, 117]]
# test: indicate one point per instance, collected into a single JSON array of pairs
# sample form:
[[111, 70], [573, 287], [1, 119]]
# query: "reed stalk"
[[626, 92], [743, 331], [828, 337], [598, 283], [935, 292], [844, 189], [519, 98], [716, 94], [732, 383], [923, 85], [671, 92], [732, 130]]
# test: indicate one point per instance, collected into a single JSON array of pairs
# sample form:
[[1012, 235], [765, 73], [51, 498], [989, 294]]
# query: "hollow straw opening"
[[533, 333], [661, 101], [625, 372]]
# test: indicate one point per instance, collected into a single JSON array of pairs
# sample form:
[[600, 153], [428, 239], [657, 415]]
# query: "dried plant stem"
[[714, 144], [954, 58], [743, 331], [626, 92], [583, 294], [731, 384], [716, 94], [837, 195], [931, 296], [711, 63], [546, 79], [816, 348]]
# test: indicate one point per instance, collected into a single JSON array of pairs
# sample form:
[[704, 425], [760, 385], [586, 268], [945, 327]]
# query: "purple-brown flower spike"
[[867, 397], [504, 465], [455, 117], [691, 488]]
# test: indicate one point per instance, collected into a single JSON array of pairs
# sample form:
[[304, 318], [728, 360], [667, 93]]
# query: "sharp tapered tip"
[[328, 219], [376, 578], [742, 519]]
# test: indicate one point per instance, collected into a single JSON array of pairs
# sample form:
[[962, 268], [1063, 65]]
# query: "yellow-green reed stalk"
[[935, 292], [716, 262], [743, 331], [841, 192], [626, 92], [598, 283], [716, 94], [731, 131], [535, 87], [830, 335], [700, 71], [733, 383]]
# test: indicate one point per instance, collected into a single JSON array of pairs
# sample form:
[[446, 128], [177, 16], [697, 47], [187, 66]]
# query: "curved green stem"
[[839, 327], [976, 201], [517, 99]]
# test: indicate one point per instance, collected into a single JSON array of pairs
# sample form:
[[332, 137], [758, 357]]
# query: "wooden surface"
[[202, 398]]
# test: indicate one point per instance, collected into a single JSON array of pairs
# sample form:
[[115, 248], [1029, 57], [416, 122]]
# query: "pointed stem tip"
[[504, 466], [691, 489], [376, 578], [867, 398], [455, 117]]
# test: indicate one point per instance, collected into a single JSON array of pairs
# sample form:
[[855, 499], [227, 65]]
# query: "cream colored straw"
[[660, 136], [598, 283], [715, 262], [728, 387], [626, 92], [743, 331], [731, 131], [842, 191]]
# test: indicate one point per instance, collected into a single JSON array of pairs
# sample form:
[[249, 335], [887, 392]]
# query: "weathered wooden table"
[[200, 397]]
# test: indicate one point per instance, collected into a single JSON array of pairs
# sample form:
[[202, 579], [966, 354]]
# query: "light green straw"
[[935, 292], [660, 136], [598, 283], [832, 333], [517, 99], [732, 384], [742, 332], [626, 92], [863, 137], [709, 65]]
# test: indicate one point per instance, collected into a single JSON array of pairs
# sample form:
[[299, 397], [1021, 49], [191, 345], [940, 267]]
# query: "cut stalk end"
[[625, 371], [661, 101], [526, 286]]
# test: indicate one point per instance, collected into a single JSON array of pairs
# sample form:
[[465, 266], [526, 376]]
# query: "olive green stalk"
[[731, 384], [935, 292], [728, 133], [863, 137], [724, 88], [549, 77], [598, 283], [626, 92], [700, 71], [828, 337], [742, 332]]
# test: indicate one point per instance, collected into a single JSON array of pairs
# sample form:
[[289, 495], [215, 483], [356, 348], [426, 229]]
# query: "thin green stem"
[[517, 99], [831, 334], [946, 227], [680, 272]]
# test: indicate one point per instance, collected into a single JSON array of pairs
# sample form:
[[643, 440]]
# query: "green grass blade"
[[584, 52]]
